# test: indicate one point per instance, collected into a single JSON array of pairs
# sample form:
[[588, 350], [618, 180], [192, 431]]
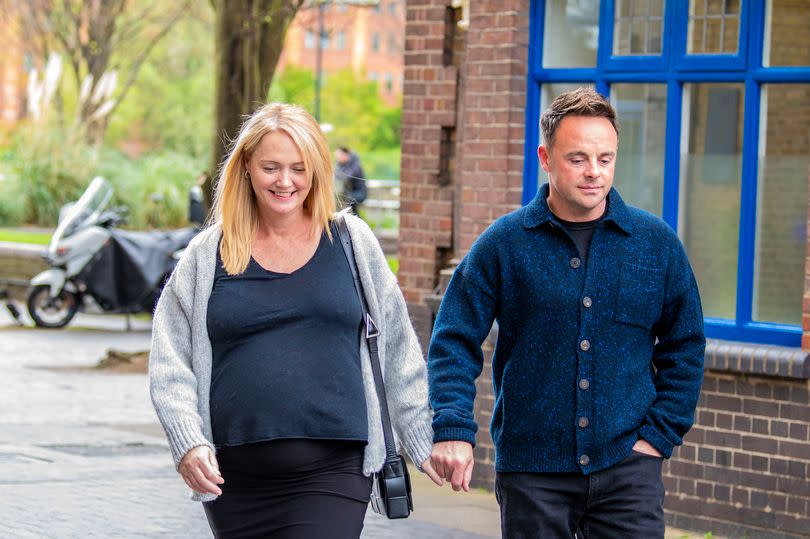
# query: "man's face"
[[580, 166], [341, 156]]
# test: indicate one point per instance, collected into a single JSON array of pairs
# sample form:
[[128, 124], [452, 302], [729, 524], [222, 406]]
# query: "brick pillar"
[[429, 104], [494, 102]]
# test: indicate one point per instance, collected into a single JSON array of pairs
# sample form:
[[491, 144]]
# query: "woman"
[[257, 370]]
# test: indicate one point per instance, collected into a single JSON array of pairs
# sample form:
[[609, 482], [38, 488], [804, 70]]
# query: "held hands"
[[200, 470], [452, 460]]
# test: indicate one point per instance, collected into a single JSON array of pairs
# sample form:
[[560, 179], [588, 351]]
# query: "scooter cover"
[[128, 272]]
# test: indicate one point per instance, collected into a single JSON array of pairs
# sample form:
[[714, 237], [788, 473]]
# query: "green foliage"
[[351, 104], [393, 263], [36, 188], [171, 104], [24, 236], [294, 85], [154, 188], [47, 167], [382, 164]]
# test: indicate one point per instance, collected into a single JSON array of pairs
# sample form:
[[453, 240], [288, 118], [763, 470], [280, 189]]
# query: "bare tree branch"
[[133, 72]]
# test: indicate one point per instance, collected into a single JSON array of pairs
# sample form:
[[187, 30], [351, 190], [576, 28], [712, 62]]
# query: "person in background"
[[258, 372], [349, 174], [599, 359]]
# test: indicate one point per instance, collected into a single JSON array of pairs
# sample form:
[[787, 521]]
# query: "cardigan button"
[[582, 422], [587, 302], [584, 460], [585, 345], [584, 384], [575, 262]]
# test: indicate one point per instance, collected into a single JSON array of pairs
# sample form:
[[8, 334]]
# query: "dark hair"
[[344, 149], [579, 102]]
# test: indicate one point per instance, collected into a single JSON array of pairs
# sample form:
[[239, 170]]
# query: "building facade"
[[364, 36], [713, 98], [12, 75]]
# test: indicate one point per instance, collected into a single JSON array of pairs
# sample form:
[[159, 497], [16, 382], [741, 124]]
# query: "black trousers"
[[625, 500], [291, 489]]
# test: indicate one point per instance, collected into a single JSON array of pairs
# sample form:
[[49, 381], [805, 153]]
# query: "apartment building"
[[367, 37]]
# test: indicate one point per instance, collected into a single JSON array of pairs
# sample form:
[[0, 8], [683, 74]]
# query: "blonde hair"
[[234, 200]]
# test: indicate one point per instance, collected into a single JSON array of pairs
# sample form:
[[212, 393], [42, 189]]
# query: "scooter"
[[97, 267]]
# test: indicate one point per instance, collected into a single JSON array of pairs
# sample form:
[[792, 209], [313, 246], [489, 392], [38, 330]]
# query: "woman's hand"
[[200, 470], [453, 460], [427, 467]]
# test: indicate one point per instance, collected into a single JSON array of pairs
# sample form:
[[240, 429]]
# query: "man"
[[599, 358], [349, 175]]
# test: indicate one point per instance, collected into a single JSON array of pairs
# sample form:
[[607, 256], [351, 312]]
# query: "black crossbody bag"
[[391, 490]]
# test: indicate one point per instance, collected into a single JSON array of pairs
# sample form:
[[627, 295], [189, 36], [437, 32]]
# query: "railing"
[[381, 211]]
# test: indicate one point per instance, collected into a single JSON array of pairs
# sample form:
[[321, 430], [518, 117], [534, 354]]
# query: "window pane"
[[782, 203], [710, 190], [637, 27], [571, 34], [641, 110], [730, 36], [786, 42], [713, 27]]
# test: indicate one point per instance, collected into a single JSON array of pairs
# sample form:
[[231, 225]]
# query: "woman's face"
[[278, 176]]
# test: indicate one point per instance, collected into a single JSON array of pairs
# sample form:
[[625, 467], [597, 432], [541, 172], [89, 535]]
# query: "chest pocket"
[[641, 294]]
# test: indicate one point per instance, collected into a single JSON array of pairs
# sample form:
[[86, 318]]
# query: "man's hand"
[[200, 470], [453, 461], [643, 446]]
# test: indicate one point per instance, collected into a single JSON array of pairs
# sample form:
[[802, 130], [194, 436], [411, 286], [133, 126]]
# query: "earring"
[[247, 175]]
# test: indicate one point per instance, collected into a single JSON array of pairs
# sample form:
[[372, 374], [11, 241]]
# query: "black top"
[[582, 233], [286, 352]]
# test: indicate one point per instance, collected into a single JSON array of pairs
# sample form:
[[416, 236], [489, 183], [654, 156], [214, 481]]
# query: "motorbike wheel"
[[48, 312]]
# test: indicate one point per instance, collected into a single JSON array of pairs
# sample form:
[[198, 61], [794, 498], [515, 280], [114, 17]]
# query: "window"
[[392, 8], [375, 42], [393, 43], [713, 98], [324, 41], [309, 39], [389, 82], [340, 40]]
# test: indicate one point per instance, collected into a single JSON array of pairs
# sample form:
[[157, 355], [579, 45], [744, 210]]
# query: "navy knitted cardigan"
[[589, 358]]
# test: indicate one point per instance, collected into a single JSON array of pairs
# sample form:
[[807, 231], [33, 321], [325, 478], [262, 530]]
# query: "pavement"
[[82, 453]]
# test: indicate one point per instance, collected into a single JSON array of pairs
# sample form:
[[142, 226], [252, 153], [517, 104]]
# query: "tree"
[[104, 41], [249, 40]]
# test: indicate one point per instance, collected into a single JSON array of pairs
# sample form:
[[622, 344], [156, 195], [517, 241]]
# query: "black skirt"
[[291, 489]]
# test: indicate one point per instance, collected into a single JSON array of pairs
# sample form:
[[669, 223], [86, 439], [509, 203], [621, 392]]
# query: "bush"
[[154, 187]]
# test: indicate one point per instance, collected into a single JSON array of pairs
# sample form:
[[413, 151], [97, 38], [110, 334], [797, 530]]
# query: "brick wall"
[[743, 468], [494, 114]]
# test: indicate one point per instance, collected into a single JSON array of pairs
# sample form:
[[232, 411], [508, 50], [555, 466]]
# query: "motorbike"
[[97, 267]]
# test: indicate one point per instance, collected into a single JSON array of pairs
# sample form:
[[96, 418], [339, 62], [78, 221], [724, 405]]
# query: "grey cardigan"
[[180, 357]]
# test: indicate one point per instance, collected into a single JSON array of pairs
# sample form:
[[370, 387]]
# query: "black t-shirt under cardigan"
[[286, 352], [582, 233]]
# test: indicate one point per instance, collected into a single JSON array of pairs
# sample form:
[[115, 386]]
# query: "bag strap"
[[371, 334]]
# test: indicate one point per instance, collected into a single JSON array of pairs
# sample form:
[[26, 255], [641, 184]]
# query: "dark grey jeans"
[[625, 500]]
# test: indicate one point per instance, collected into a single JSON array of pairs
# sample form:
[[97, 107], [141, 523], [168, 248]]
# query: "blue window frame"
[[677, 68]]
